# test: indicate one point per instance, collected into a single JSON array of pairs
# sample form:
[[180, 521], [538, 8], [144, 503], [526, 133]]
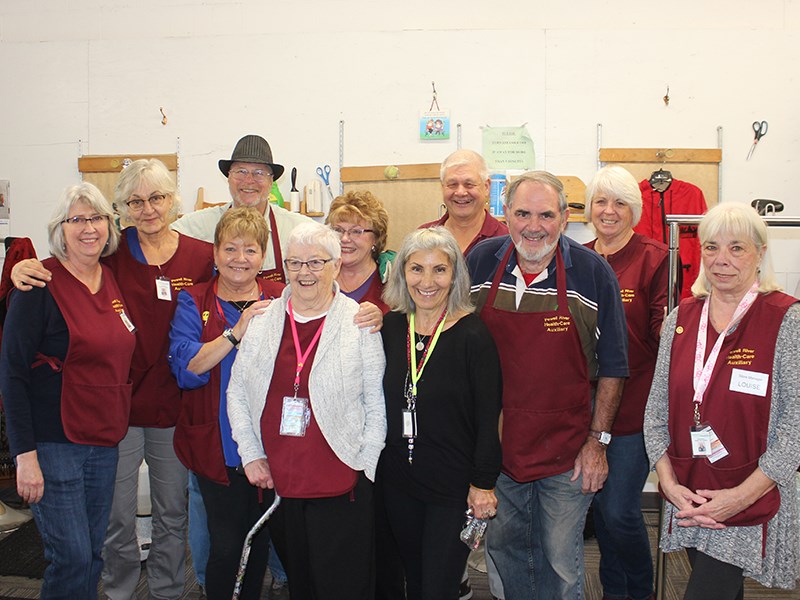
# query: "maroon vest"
[[197, 440], [156, 396], [740, 420], [546, 391], [95, 389], [302, 467]]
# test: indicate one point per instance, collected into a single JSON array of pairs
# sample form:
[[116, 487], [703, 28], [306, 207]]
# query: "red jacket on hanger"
[[681, 198]]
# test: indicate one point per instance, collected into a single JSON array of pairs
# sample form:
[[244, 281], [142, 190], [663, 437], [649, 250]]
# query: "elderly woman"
[[361, 222], [210, 320], [64, 367], [152, 265], [443, 393], [306, 409], [613, 207], [722, 423]]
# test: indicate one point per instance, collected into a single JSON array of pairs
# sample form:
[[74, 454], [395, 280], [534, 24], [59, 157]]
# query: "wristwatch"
[[228, 335], [601, 436]]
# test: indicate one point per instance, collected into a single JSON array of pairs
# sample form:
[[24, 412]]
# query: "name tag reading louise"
[[749, 382], [295, 416]]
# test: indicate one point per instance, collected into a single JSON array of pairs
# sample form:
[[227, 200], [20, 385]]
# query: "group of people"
[[500, 369]]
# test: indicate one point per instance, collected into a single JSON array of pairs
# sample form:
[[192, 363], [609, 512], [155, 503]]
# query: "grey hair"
[[396, 295], [317, 234], [541, 177], [618, 184], [464, 157], [92, 197], [736, 219], [151, 171]]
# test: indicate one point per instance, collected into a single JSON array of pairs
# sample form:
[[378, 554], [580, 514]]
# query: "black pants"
[[427, 537], [327, 544], [390, 580], [232, 510], [712, 579]]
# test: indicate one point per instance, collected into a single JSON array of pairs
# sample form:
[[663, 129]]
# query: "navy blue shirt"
[[592, 294]]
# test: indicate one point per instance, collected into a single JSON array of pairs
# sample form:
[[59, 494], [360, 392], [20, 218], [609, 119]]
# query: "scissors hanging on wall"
[[760, 130], [325, 174]]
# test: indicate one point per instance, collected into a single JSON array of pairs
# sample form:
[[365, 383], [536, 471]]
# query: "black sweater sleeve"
[[32, 396]]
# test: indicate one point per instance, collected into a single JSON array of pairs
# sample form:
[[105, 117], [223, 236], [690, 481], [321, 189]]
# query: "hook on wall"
[[163, 115]]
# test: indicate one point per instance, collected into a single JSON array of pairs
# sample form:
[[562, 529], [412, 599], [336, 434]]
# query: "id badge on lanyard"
[[705, 442], [295, 416], [296, 412], [163, 288]]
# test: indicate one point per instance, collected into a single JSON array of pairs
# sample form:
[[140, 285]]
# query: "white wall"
[[98, 71]]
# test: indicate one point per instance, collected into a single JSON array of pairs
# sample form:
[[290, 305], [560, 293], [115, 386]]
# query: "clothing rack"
[[673, 223]]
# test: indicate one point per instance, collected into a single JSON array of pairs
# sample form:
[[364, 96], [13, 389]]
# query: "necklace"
[[241, 305], [421, 340]]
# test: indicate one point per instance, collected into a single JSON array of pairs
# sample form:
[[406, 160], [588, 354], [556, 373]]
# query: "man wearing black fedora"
[[250, 172]]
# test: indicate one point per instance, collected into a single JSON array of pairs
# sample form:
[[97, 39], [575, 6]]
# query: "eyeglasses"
[[355, 232], [137, 204], [82, 221], [257, 174], [315, 264]]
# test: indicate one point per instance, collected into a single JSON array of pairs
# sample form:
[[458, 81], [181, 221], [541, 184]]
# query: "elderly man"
[[465, 192], [555, 312], [250, 172]]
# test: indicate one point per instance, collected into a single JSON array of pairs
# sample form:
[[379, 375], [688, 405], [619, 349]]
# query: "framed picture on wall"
[[5, 199]]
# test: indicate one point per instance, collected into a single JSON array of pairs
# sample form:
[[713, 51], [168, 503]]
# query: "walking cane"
[[248, 544]]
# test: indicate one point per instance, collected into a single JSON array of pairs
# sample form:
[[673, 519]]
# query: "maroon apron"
[[741, 421], [95, 389], [275, 274], [302, 467], [546, 391]]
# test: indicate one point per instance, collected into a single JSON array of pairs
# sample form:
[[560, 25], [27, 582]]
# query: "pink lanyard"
[[702, 372], [301, 356]]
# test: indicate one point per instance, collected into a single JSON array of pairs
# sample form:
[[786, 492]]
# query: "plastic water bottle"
[[497, 189]]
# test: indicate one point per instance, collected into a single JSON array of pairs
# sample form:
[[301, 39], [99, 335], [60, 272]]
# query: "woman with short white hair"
[[306, 409]]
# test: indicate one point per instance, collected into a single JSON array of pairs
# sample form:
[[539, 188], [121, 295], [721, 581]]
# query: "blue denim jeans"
[[536, 540], [72, 516], [626, 564]]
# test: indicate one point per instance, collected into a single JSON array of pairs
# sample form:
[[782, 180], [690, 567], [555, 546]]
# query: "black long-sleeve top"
[[458, 407], [32, 396]]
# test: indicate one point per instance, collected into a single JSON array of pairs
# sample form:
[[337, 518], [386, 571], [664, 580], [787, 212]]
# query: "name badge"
[[163, 289], [127, 322], [705, 442], [749, 382], [409, 423], [295, 416]]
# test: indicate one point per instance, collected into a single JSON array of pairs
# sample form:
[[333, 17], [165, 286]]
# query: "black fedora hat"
[[252, 149]]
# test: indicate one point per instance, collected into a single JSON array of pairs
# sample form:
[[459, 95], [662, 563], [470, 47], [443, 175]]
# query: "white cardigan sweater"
[[345, 384]]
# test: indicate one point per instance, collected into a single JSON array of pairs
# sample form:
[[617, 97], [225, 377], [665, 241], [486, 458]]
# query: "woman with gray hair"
[[722, 423], [152, 265], [306, 409], [443, 395], [613, 207], [64, 369]]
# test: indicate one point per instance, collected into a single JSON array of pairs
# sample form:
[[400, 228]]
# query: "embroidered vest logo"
[[741, 356], [557, 324]]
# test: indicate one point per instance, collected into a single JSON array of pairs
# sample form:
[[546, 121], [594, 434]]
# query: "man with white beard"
[[555, 312]]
